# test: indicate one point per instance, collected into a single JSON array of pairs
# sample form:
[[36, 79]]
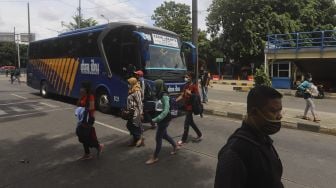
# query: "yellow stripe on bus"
[[49, 69], [58, 70], [61, 82], [73, 75], [59, 78], [71, 67], [65, 76], [54, 65], [44, 67]]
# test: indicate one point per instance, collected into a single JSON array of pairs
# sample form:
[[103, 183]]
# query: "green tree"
[[261, 78], [83, 23], [174, 17], [242, 26], [8, 54]]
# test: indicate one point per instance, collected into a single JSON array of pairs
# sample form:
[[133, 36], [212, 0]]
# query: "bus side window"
[[112, 47]]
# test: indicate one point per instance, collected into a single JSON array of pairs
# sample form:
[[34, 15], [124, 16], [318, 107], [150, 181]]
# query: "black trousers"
[[189, 121], [135, 131]]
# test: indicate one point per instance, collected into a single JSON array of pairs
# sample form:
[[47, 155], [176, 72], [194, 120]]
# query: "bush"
[[261, 78]]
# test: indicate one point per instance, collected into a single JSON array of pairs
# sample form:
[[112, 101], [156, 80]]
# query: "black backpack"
[[197, 106]]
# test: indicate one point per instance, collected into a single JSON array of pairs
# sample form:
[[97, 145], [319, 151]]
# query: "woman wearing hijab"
[[134, 102], [162, 120]]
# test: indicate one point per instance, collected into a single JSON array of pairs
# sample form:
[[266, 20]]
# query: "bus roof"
[[102, 27]]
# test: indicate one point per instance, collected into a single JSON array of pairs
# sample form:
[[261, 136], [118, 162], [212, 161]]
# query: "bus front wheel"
[[44, 89], [102, 101]]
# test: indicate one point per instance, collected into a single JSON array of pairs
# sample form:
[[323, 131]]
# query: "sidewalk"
[[291, 117], [23, 78], [245, 86]]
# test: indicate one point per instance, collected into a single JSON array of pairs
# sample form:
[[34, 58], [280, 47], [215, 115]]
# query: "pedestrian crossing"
[[12, 108]]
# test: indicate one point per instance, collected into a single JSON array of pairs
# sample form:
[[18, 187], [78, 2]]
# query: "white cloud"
[[46, 16]]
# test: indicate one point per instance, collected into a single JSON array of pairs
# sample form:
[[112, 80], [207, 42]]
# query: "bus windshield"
[[165, 58]]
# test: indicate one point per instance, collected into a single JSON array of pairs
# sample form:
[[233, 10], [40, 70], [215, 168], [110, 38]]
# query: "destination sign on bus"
[[165, 40]]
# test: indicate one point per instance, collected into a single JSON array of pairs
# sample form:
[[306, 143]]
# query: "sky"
[[46, 16]]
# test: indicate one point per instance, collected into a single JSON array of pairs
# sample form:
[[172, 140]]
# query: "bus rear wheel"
[[102, 102], [44, 89]]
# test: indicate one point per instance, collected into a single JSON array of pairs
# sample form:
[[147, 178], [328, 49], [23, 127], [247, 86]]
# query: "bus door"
[[188, 54]]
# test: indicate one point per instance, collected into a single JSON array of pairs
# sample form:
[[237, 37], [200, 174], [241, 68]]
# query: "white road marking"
[[32, 113], [50, 105], [111, 127], [35, 107], [14, 103], [19, 96], [16, 109], [2, 112]]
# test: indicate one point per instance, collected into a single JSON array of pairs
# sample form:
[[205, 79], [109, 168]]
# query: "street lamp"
[[103, 16]]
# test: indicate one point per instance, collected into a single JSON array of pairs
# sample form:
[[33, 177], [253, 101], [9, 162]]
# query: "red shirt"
[[83, 100], [187, 97]]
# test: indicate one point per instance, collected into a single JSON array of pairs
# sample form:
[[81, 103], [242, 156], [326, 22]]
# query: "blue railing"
[[315, 39]]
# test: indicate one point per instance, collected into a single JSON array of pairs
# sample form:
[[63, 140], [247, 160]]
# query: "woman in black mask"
[[162, 119]]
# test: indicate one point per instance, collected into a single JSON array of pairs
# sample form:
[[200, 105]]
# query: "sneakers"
[[100, 150], [86, 157], [152, 160]]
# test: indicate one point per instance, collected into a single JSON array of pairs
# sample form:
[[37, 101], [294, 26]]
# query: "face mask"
[[186, 79], [270, 126], [129, 86], [310, 79]]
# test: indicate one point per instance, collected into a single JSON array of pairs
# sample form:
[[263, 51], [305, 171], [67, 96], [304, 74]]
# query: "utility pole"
[[195, 34], [79, 15], [28, 23]]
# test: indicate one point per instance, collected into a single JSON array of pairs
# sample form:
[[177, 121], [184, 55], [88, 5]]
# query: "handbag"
[[128, 113]]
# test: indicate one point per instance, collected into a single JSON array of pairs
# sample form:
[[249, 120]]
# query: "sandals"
[[316, 120], [180, 143], [152, 160], [306, 118]]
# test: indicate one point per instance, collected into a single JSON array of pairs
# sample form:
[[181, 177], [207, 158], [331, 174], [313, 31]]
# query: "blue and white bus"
[[105, 55]]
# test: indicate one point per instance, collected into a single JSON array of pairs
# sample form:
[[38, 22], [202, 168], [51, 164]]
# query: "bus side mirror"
[[188, 54], [144, 45]]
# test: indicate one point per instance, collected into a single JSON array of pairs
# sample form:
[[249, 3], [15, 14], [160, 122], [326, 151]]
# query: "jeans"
[[161, 133], [309, 105], [189, 122], [205, 93], [135, 131]]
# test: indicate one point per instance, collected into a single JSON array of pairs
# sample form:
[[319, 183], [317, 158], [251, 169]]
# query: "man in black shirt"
[[248, 159]]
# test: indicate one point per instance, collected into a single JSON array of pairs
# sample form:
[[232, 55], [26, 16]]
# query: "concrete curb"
[[286, 124]]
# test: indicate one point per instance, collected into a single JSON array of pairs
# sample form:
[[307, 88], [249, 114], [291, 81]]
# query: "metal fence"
[[315, 39]]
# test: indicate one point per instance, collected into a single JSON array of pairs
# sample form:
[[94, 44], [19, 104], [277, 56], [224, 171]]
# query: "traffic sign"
[[219, 60]]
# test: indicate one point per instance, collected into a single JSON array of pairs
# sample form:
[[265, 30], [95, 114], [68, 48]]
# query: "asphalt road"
[[39, 149], [324, 105]]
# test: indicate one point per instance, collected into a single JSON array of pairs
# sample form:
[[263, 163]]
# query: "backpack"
[[173, 107], [197, 106]]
